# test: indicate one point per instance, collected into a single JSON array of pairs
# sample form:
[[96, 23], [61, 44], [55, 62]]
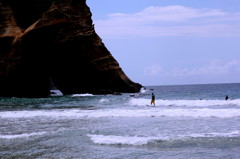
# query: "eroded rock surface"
[[54, 40]]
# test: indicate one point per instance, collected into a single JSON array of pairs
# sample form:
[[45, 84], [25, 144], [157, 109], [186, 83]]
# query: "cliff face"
[[54, 40]]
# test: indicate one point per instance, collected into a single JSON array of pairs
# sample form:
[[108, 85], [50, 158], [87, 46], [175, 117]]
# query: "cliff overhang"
[[54, 41]]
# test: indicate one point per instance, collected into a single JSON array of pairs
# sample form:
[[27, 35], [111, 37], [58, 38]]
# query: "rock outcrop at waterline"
[[45, 41]]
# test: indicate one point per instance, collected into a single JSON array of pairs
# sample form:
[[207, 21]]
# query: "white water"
[[26, 135], [124, 140], [115, 113], [82, 95], [142, 140], [137, 107], [108, 126], [190, 103]]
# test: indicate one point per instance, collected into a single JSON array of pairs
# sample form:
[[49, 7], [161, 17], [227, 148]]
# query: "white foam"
[[56, 93], [235, 133], [21, 135], [82, 95], [196, 113], [139, 140], [123, 140], [192, 103], [145, 112], [143, 90], [57, 113], [104, 100]]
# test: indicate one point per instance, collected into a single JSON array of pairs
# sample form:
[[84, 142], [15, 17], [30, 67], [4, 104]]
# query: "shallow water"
[[192, 121]]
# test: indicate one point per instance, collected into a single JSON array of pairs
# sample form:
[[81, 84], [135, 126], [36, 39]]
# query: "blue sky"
[[168, 42]]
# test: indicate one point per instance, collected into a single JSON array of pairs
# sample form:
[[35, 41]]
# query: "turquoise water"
[[188, 121]]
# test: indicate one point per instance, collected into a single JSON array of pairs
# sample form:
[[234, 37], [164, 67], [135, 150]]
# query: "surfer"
[[226, 98], [153, 99]]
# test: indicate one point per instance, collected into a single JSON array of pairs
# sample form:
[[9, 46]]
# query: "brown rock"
[[54, 39]]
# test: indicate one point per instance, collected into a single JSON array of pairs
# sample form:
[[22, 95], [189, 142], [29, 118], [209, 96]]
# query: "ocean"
[[188, 122]]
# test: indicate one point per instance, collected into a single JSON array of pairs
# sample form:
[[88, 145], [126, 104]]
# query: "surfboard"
[[150, 105]]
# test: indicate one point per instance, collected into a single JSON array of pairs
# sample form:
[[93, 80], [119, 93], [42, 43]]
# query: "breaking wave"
[[192, 103], [143, 140], [82, 95], [129, 113], [15, 136], [123, 140]]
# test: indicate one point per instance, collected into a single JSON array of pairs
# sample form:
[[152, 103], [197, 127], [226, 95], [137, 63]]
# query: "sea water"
[[188, 121]]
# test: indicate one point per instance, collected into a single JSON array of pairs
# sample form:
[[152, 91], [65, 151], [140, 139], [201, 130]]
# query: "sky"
[[172, 42]]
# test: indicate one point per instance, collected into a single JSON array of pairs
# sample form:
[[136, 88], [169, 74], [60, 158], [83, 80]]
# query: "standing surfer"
[[153, 99]]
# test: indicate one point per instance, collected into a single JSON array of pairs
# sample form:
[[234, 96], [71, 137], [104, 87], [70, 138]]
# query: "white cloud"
[[211, 30], [216, 67], [153, 70], [171, 21], [169, 13]]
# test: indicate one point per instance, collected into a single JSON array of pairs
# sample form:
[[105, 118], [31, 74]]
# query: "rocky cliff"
[[45, 41]]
